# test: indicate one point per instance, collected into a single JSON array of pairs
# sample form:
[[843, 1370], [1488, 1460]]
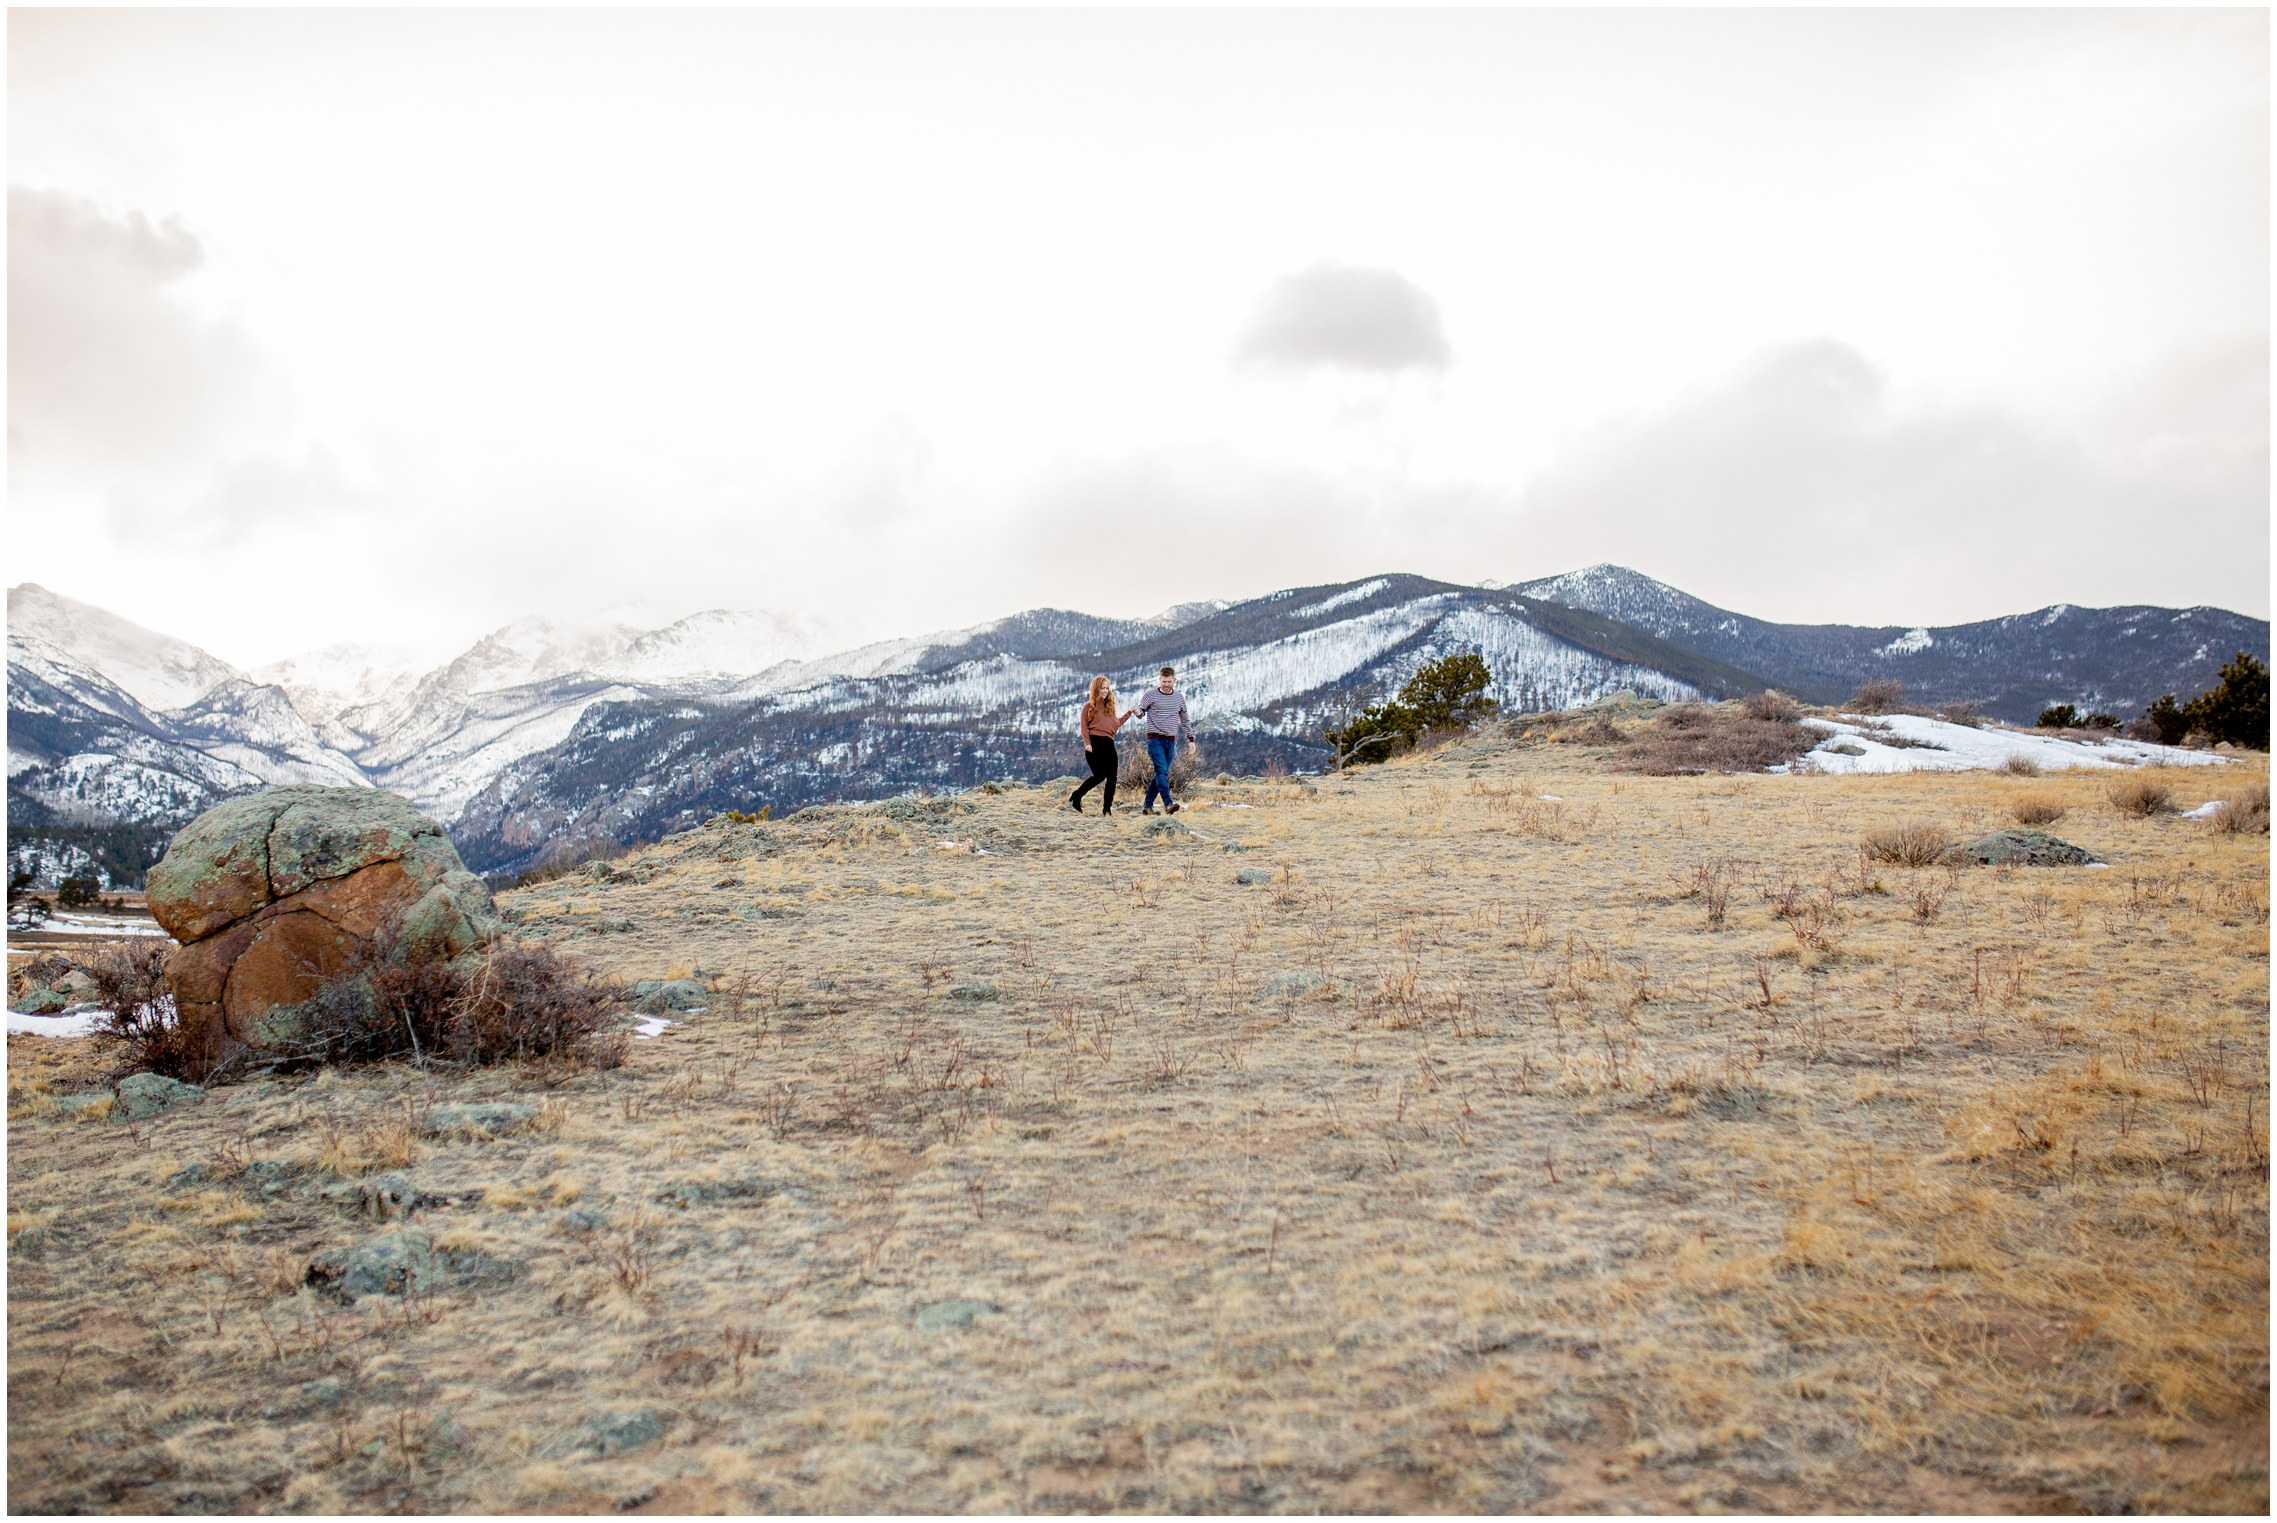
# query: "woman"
[[1096, 730]]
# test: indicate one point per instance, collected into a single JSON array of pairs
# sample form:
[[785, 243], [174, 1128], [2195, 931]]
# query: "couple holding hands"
[[1165, 710]]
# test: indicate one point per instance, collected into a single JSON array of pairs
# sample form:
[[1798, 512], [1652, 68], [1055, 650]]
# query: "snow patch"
[[77, 1023], [1962, 749], [1349, 595], [1915, 639]]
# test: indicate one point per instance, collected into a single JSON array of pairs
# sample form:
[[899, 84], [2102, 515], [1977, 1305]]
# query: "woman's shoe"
[[1075, 803]]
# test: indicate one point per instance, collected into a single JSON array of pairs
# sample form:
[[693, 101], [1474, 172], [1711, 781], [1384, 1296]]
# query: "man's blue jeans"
[[1162, 750]]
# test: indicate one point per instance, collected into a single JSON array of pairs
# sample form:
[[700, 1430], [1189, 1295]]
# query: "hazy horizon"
[[394, 327]]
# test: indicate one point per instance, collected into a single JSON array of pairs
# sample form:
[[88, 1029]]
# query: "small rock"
[[2022, 848], [471, 1266], [1163, 830], [184, 1178], [1293, 985], [268, 1174], [974, 992], [599, 872], [446, 1435], [655, 996], [144, 1095], [713, 1191], [41, 1002], [942, 1315], [610, 1434], [99, 1102], [388, 1196], [394, 1264], [1232, 847], [325, 1393], [1252, 875], [492, 1120], [639, 1496], [583, 1219], [76, 984]]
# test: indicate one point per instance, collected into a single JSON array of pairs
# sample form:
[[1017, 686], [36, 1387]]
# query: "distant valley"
[[544, 736]]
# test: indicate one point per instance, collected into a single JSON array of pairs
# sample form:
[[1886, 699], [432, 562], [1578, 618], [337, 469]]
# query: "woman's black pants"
[[1104, 764]]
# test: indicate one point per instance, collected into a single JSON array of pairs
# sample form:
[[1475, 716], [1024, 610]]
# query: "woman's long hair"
[[1102, 701]]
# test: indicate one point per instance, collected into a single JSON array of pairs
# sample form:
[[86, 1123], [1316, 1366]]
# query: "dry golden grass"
[[1529, 1136]]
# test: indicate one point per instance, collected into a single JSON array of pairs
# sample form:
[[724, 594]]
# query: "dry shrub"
[[2245, 814], [1883, 695], [529, 1001], [1961, 712], [517, 1002], [2140, 794], [1698, 737], [2038, 809], [1599, 731], [1909, 843], [1770, 704], [1136, 769], [130, 983], [2017, 764]]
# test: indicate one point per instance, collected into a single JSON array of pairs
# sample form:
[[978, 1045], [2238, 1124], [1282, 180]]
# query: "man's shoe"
[[1170, 808], [1149, 809]]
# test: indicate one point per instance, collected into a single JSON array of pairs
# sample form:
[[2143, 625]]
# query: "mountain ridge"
[[2114, 660], [544, 730]]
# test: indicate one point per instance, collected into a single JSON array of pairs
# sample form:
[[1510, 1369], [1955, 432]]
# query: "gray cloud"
[[1801, 487], [109, 372], [1348, 316]]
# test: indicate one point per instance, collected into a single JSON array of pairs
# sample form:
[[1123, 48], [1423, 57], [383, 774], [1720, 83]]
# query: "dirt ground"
[[1519, 1136]]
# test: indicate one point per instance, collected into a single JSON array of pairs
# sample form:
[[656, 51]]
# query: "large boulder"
[[273, 894]]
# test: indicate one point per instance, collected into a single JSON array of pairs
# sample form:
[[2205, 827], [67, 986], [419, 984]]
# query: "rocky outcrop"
[[275, 893], [2022, 848]]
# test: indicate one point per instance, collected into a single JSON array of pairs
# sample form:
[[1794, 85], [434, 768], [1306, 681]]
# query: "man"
[[1164, 708]]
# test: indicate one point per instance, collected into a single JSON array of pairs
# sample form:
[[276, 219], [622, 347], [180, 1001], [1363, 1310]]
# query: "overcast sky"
[[394, 327]]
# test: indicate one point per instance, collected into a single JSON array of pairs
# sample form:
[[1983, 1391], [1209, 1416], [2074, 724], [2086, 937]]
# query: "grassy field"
[[1522, 1136]]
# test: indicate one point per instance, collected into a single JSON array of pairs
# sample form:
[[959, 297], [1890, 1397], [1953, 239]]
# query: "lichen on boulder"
[[275, 893], [2022, 848]]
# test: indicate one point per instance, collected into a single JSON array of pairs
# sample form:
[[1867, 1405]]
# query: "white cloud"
[[1804, 486], [109, 369], [913, 319]]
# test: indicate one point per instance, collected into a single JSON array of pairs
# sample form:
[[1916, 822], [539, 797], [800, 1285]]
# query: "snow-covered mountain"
[[1000, 700], [546, 731], [68, 643], [2113, 660], [111, 724], [323, 684]]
